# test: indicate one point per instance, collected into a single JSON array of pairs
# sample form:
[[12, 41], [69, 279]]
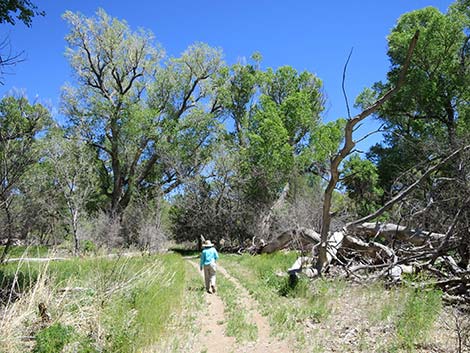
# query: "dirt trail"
[[213, 337]]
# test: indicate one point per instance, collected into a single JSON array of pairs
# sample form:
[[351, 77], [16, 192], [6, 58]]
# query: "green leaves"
[[437, 79], [20, 125], [274, 114], [361, 181], [23, 10], [269, 156]]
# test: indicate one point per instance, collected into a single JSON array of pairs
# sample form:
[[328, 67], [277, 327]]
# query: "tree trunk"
[[349, 144], [9, 231]]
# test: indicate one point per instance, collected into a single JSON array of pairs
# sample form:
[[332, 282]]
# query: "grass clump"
[[53, 338], [418, 315]]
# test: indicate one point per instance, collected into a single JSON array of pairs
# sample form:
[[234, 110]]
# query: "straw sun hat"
[[207, 244]]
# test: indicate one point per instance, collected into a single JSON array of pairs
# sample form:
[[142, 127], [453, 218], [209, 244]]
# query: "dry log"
[[267, 218], [392, 232], [34, 259], [285, 238], [366, 259], [304, 264]]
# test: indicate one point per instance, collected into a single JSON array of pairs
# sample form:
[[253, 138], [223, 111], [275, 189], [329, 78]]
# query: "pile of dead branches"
[[373, 251]]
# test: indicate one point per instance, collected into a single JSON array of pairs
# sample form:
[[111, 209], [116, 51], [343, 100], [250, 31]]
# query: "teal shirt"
[[208, 256]]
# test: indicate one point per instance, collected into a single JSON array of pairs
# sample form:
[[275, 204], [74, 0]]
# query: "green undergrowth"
[[27, 251], [412, 312], [182, 326], [403, 315], [417, 317], [238, 324], [287, 307], [113, 305]]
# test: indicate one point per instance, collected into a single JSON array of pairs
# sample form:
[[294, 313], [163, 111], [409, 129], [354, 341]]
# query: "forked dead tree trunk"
[[348, 146]]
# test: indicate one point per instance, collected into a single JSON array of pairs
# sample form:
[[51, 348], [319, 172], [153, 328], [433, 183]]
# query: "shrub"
[[88, 246], [53, 338]]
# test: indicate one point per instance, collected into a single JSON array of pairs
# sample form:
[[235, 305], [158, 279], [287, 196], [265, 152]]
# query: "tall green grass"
[[417, 317], [411, 312], [182, 328], [120, 304]]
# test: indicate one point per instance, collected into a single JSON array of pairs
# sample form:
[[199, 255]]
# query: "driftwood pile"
[[371, 251]]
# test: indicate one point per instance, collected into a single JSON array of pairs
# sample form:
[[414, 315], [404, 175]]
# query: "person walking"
[[209, 256]]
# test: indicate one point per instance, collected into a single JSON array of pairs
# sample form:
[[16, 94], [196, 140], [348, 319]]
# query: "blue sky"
[[306, 34]]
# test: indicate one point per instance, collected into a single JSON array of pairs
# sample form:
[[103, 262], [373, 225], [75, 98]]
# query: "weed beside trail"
[[181, 328], [104, 305]]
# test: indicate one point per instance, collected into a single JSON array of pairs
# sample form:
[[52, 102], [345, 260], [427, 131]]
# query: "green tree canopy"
[[148, 121], [430, 112]]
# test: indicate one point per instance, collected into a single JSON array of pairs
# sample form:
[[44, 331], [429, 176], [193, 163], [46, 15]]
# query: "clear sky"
[[311, 35]]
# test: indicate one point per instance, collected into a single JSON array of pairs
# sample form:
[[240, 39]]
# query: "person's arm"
[[216, 254], [201, 262]]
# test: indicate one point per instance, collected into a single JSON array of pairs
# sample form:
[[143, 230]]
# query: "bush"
[[88, 246], [53, 338]]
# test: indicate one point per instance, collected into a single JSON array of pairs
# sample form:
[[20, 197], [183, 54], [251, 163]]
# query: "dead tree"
[[348, 146]]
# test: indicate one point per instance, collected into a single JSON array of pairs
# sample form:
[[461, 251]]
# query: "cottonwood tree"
[[427, 118], [149, 122], [431, 110], [270, 118], [20, 125], [274, 114]]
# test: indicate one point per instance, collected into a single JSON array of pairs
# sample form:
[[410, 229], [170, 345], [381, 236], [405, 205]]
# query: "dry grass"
[[19, 318], [104, 301]]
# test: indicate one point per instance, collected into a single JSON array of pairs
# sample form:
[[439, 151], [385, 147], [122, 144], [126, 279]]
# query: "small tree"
[[20, 124], [75, 177]]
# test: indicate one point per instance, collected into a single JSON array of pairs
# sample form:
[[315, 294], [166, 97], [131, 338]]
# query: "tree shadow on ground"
[[185, 252]]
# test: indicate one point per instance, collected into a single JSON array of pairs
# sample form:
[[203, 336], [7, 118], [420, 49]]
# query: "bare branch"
[[343, 81], [407, 190]]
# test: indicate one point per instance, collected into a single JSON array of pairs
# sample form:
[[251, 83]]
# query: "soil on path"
[[213, 338]]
